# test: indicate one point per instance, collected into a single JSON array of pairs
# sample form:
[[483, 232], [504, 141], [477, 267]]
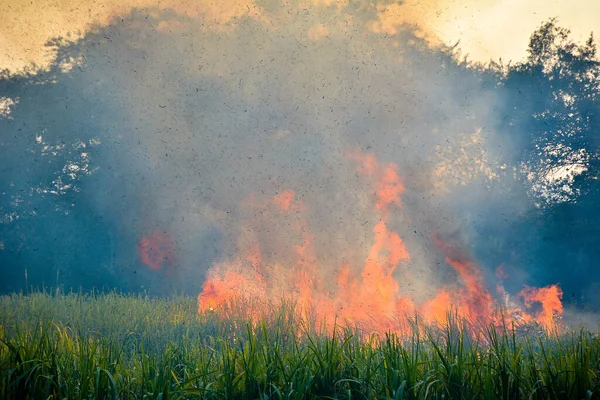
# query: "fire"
[[389, 187], [156, 251], [475, 301], [284, 200], [436, 309], [217, 292], [549, 298], [370, 296]]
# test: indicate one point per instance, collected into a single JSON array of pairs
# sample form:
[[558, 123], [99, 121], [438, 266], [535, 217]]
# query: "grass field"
[[102, 346]]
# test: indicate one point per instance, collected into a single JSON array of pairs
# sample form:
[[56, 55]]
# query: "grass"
[[112, 346]]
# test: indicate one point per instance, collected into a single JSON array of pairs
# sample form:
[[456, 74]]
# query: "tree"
[[552, 112], [555, 103]]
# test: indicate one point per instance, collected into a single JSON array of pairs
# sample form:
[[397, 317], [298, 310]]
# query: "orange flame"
[[476, 303], [372, 298], [156, 251], [389, 186], [284, 200], [220, 291], [551, 306]]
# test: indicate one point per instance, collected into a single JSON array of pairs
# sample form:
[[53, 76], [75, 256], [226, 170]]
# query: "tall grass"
[[109, 346]]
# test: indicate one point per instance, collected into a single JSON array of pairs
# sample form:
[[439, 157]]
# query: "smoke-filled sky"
[[187, 119], [480, 25]]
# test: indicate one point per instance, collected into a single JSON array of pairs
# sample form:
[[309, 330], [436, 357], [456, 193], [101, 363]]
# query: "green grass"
[[106, 346]]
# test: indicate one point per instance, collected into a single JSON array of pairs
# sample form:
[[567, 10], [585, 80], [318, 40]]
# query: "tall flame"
[[374, 298], [549, 299]]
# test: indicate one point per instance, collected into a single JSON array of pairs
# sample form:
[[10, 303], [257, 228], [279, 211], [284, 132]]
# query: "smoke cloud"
[[182, 122]]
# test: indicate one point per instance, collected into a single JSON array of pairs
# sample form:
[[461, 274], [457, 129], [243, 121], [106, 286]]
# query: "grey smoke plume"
[[164, 124]]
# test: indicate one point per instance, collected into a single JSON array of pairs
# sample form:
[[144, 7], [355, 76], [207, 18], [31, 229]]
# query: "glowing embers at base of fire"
[[156, 251], [372, 299]]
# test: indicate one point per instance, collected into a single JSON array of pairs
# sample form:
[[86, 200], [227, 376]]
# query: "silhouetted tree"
[[553, 114]]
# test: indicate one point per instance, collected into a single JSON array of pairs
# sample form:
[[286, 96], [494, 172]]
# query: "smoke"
[[479, 25], [185, 123]]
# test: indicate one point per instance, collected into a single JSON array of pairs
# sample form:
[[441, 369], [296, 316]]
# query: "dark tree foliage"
[[56, 147], [47, 156], [553, 115]]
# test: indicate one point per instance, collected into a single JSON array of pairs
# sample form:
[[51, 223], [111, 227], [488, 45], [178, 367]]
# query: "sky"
[[479, 25]]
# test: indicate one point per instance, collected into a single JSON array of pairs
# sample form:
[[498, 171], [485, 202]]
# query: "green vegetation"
[[132, 347]]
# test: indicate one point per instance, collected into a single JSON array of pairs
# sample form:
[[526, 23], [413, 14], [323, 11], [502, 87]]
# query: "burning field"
[[297, 199], [371, 294]]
